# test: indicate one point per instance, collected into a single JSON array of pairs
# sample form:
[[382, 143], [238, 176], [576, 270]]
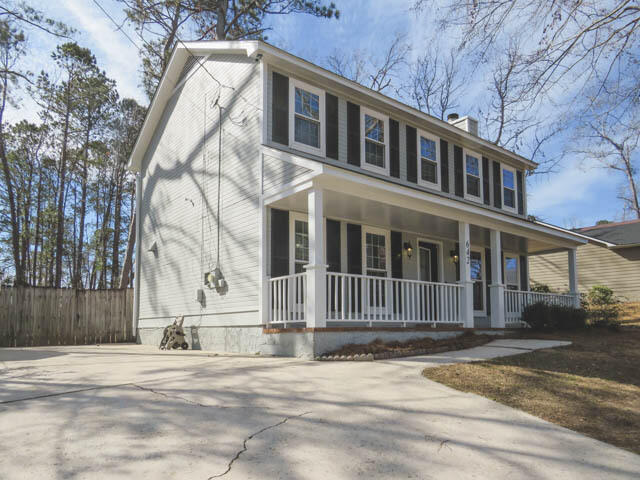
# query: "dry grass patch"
[[592, 386], [630, 313]]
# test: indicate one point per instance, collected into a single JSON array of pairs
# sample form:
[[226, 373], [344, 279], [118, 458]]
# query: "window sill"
[[303, 147]]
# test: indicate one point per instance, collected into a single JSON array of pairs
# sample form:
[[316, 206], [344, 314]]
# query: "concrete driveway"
[[131, 411]]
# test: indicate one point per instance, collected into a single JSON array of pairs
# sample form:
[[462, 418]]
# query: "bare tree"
[[585, 40], [376, 72], [353, 66], [613, 143], [435, 82]]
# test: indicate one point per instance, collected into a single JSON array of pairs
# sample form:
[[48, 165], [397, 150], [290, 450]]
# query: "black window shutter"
[[434, 264], [353, 134], [333, 245], [354, 249], [458, 171], [520, 193], [412, 154], [497, 185], [280, 109], [487, 259], [331, 105], [457, 251], [523, 272], [396, 254], [444, 166], [504, 280], [394, 148], [485, 181], [279, 243]]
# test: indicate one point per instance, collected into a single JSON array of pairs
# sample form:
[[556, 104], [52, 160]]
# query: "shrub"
[[543, 317], [537, 316], [601, 295], [568, 318], [603, 308], [540, 288]]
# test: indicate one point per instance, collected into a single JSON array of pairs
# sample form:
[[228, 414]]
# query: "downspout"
[[136, 275]]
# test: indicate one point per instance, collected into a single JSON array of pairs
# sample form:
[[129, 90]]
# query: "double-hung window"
[[511, 277], [299, 238], [473, 177], [306, 104], [508, 188], [375, 151], [428, 147]]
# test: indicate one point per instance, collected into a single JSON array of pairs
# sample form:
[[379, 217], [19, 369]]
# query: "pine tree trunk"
[[61, 192]]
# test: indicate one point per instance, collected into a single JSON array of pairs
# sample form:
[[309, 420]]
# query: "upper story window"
[[508, 188], [306, 104], [375, 151], [428, 147], [473, 177]]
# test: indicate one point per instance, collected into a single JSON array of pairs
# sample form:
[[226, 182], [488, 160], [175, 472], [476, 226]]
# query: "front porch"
[[340, 252]]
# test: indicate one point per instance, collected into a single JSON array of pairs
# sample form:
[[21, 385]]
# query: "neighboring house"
[[611, 258], [330, 205]]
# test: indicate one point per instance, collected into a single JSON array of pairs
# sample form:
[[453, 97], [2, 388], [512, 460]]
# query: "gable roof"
[[260, 51], [621, 234]]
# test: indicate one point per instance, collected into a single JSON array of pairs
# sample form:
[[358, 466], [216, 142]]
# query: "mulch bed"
[[379, 350]]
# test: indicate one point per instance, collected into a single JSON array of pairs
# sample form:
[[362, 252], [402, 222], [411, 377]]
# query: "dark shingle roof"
[[620, 233]]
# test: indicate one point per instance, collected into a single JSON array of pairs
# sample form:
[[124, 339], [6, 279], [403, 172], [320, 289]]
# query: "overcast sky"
[[571, 197]]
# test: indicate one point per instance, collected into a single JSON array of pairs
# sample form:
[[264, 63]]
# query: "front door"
[[428, 272], [428, 261]]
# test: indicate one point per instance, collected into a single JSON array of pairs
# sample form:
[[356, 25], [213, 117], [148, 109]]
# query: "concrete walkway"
[[131, 411]]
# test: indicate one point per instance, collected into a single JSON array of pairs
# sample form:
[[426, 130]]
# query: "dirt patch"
[[591, 386], [379, 349]]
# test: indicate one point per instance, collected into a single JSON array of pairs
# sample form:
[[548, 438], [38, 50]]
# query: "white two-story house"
[[284, 209]]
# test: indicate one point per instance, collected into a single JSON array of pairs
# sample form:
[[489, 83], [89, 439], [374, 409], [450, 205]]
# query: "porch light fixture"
[[454, 256], [408, 248]]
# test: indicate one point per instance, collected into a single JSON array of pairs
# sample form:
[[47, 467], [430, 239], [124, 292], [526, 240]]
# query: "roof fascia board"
[[585, 237]]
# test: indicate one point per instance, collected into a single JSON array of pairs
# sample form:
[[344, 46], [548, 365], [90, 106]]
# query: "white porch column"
[[496, 288], [263, 261], [466, 305], [573, 276], [316, 315]]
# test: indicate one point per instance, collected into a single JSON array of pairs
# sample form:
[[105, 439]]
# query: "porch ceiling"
[[343, 206]]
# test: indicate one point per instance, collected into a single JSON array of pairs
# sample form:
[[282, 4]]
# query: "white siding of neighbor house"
[[179, 201]]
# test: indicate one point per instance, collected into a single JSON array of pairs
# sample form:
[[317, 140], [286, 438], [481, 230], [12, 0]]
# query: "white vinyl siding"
[[172, 209]]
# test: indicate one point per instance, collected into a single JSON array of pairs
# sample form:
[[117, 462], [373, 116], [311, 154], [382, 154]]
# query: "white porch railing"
[[516, 300], [287, 298], [362, 298]]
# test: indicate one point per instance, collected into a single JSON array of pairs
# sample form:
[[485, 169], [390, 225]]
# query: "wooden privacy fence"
[[33, 316]]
